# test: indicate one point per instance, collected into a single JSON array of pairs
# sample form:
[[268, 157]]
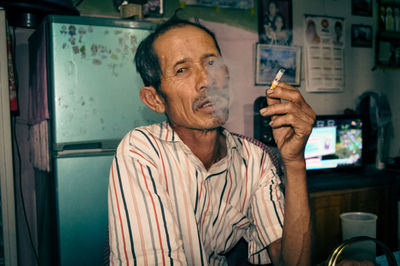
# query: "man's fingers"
[[270, 100], [302, 125], [287, 108], [272, 97], [288, 93]]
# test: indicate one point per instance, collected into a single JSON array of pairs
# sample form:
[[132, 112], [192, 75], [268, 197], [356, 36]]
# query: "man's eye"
[[211, 62], [183, 72]]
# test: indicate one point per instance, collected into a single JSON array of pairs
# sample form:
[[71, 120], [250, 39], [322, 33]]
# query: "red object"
[[11, 79]]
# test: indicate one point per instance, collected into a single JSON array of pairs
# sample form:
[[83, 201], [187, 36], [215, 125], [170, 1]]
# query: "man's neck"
[[208, 145]]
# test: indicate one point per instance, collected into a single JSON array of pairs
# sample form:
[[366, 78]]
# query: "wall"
[[358, 61]]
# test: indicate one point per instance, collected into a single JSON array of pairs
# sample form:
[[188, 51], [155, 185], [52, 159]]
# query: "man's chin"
[[221, 118], [215, 124], [205, 123]]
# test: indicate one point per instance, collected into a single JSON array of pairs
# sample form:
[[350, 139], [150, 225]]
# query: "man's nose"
[[202, 77]]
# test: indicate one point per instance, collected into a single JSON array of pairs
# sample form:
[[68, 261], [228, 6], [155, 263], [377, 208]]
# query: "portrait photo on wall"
[[271, 58], [361, 7], [153, 8], [275, 22], [324, 30], [361, 36], [242, 4]]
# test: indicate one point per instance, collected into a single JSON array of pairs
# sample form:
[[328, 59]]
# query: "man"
[[187, 190], [338, 32]]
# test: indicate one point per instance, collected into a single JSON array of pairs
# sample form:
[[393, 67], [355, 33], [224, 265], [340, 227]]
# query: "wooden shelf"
[[389, 3], [389, 35], [387, 42]]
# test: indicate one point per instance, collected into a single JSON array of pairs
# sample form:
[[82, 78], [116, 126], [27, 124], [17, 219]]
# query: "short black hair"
[[146, 59]]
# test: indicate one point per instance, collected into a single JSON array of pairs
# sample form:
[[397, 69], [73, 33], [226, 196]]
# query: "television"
[[335, 143]]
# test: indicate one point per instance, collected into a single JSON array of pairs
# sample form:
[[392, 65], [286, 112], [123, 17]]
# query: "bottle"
[[382, 19], [389, 19], [396, 19]]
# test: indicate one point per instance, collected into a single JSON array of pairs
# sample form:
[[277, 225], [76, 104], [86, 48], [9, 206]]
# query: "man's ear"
[[152, 99]]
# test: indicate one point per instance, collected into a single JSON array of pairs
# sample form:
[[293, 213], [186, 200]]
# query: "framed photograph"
[[242, 4], [271, 58], [361, 8], [153, 8], [275, 22], [361, 35]]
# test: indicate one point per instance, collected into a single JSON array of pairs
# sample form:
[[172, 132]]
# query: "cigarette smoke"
[[218, 91]]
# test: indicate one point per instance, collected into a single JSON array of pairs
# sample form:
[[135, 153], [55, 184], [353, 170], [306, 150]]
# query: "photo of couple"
[[275, 22]]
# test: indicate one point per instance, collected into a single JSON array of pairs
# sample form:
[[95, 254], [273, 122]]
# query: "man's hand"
[[291, 120]]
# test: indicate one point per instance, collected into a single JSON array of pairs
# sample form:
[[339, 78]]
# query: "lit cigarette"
[[277, 78]]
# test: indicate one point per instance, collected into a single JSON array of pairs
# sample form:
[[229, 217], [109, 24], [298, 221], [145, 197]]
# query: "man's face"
[[272, 9], [279, 23], [194, 79]]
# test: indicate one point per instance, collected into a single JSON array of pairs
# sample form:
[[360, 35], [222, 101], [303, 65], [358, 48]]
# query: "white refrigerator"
[[93, 98]]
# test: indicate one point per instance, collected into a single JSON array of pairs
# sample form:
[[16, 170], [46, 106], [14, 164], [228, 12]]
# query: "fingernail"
[[271, 123]]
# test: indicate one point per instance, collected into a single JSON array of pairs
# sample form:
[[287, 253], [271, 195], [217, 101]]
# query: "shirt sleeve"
[[266, 212], [142, 228]]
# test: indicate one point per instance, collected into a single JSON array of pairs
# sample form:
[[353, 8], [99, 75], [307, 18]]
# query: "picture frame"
[[271, 58], [153, 8], [242, 4], [275, 22], [361, 8], [361, 35]]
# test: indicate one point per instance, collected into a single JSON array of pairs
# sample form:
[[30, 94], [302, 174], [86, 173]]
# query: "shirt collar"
[[164, 132]]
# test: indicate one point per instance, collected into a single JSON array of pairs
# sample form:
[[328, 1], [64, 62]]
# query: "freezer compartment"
[[94, 86], [81, 184]]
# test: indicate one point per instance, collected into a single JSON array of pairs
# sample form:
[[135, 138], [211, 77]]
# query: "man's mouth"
[[204, 104]]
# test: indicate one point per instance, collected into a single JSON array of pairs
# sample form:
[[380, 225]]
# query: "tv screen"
[[336, 142]]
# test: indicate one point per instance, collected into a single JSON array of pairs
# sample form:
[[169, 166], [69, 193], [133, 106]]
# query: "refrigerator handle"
[[83, 146], [86, 149]]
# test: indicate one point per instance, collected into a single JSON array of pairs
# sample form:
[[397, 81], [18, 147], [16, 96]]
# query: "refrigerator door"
[[81, 184], [95, 86]]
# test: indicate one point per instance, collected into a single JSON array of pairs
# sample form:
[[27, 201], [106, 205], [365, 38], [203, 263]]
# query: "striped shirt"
[[166, 208]]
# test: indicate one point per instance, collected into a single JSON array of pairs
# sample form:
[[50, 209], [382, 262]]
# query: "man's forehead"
[[181, 41], [181, 33]]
